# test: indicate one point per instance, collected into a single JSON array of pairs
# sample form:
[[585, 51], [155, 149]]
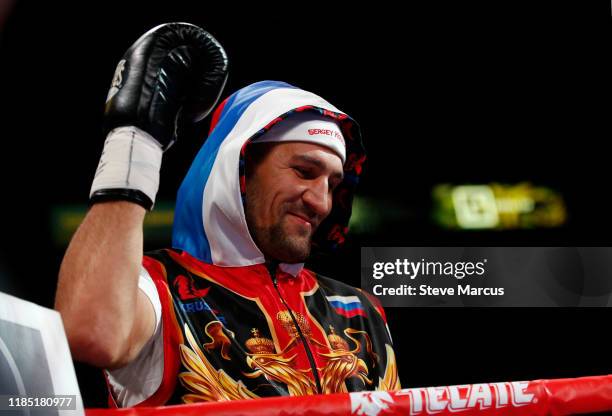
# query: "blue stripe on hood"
[[188, 230]]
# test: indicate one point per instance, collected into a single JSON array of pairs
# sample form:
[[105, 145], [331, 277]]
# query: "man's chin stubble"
[[289, 249]]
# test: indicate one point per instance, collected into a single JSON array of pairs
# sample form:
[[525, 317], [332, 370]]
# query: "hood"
[[209, 219]]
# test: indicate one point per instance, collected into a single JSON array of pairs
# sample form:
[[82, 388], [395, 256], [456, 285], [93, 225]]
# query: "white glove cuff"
[[131, 159]]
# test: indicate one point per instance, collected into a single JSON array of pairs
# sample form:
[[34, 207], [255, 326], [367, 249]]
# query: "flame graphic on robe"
[[204, 381], [390, 381], [209, 384], [343, 363]]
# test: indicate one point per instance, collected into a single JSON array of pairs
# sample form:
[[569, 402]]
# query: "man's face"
[[288, 194]]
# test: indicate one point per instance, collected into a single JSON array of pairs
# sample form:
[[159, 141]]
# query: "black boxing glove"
[[173, 75]]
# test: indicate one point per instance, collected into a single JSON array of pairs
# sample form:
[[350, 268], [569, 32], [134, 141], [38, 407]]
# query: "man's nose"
[[318, 198]]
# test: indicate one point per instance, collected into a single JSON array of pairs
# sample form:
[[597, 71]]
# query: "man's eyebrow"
[[318, 163]]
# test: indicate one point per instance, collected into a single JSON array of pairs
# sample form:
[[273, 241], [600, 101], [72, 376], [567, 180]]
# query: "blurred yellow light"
[[497, 206]]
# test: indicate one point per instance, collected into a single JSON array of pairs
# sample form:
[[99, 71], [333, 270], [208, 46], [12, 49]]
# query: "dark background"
[[445, 92]]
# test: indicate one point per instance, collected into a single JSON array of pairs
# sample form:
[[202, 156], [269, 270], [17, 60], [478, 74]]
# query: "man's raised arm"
[[174, 74], [106, 318]]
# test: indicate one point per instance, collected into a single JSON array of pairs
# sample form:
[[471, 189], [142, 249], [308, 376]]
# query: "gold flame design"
[[214, 330], [390, 381], [343, 364], [276, 367], [204, 381]]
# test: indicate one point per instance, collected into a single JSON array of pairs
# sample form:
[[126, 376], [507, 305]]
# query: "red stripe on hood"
[[217, 115]]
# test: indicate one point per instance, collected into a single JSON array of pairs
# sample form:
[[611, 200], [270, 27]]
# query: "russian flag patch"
[[348, 306]]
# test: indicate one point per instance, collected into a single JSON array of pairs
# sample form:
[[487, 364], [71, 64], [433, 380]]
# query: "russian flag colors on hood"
[[209, 220]]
